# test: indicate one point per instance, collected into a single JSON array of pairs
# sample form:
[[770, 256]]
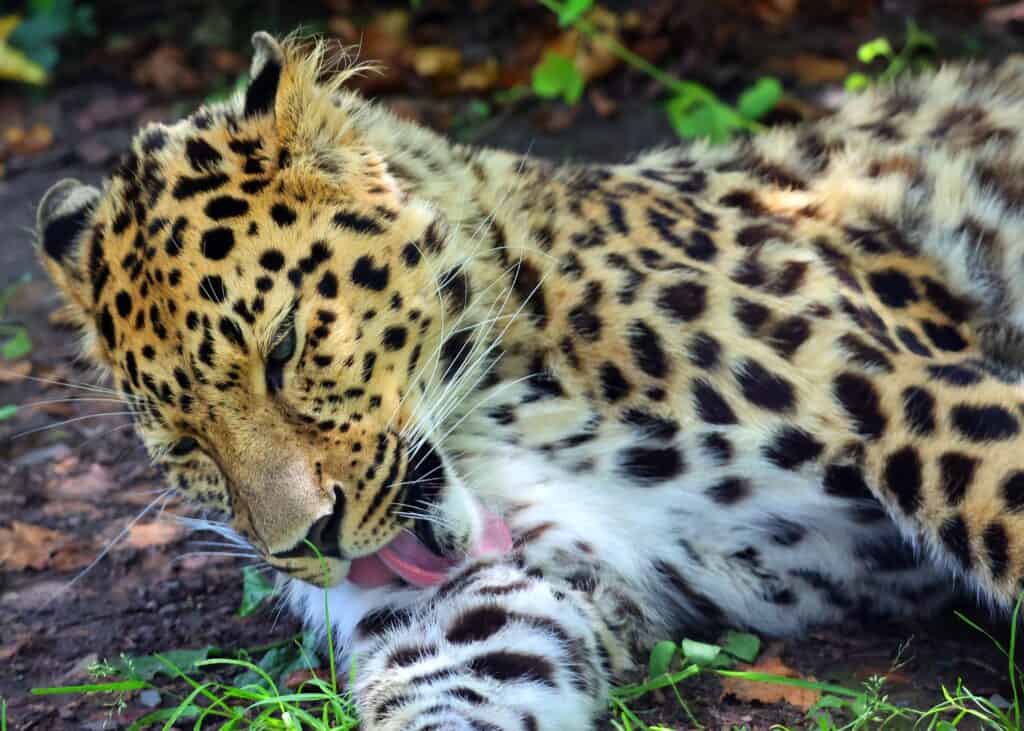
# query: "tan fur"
[[908, 174]]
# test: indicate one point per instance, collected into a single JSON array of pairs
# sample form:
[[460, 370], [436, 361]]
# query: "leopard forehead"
[[210, 233]]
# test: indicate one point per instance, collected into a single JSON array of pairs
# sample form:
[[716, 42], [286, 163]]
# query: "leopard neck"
[[490, 267]]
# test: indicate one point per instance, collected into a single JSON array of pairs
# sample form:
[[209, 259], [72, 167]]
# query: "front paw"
[[495, 650], [518, 687], [444, 715]]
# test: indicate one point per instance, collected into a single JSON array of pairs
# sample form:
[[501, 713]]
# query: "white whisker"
[[59, 424], [113, 542]]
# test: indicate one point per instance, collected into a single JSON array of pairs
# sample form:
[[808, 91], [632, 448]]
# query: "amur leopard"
[[536, 417]]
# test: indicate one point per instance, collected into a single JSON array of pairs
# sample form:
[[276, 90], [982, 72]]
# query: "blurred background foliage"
[[715, 68]]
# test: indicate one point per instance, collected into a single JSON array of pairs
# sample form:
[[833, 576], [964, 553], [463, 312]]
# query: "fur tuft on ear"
[[62, 218], [264, 75], [62, 214], [297, 83]]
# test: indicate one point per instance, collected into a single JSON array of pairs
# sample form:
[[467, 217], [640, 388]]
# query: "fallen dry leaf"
[[73, 556], [556, 118], [64, 508], [772, 12], [766, 692], [299, 677], [227, 61], [157, 533], [26, 546], [430, 61], [482, 77], [386, 36], [810, 68], [16, 371], [344, 29], [31, 141], [384, 40], [167, 70], [798, 108], [93, 482], [603, 104], [591, 57]]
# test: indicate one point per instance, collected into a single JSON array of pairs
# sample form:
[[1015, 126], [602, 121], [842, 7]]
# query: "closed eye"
[[183, 446], [282, 352]]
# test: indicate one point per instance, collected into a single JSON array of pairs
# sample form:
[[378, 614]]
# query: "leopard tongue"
[[410, 560], [414, 562]]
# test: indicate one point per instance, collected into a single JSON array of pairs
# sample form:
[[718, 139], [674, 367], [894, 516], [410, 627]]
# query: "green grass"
[[244, 690], [840, 708]]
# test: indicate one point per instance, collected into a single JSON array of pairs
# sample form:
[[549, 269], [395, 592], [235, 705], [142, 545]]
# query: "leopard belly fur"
[[734, 541]]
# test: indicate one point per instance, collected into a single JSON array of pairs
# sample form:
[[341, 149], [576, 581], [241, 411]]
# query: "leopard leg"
[[494, 649]]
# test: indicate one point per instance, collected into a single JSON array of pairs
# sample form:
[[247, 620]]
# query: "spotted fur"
[[716, 386]]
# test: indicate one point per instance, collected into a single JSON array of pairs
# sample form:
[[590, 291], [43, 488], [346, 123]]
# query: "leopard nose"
[[324, 536], [325, 533]]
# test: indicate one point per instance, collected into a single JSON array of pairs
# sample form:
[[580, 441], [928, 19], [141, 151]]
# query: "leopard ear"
[[264, 75], [62, 219]]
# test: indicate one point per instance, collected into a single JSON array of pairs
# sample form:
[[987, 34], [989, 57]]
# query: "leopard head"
[[263, 291]]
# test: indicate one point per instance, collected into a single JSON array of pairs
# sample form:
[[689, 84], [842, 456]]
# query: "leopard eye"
[[285, 347], [183, 446], [280, 355]]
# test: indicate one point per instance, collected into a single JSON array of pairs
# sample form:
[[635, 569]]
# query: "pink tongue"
[[409, 559]]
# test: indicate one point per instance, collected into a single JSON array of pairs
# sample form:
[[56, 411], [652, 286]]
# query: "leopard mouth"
[[410, 559], [421, 555]]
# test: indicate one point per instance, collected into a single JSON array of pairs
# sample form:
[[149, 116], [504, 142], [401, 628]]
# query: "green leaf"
[[760, 98], [712, 120], [871, 50], [280, 662], [556, 77], [479, 108], [511, 95], [661, 658], [919, 39], [41, 6], [255, 589], [572, 10], [829, 701], [857, 82], [700, 653], [18, 346], [48, 24], [742, 645], [148, 667], [7, 411]]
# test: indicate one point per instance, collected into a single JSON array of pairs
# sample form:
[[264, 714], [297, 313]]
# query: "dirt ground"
[[72, 479]]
